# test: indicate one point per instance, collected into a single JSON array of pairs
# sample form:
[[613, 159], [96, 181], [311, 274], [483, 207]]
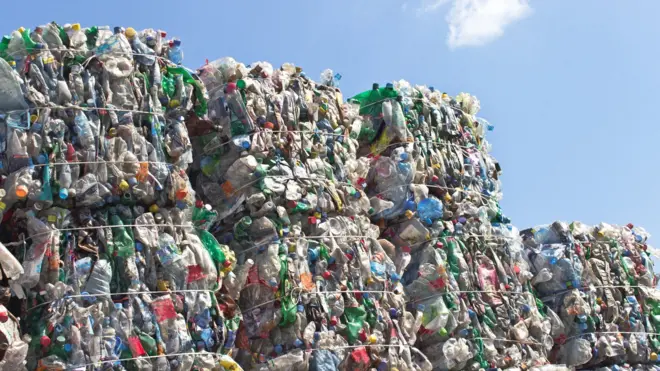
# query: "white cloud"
[[430, 6], [478, 22]]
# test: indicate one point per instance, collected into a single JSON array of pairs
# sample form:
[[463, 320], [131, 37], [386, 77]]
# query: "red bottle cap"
[[45, 341], [333, 321]]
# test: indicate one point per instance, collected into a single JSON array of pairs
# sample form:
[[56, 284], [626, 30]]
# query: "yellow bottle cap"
[[373, 339], [174, 103], [654, 356], [112, 132], [75, 26], [34, 118], [21, 29], [153, 208], [123, 185], [130, 32]]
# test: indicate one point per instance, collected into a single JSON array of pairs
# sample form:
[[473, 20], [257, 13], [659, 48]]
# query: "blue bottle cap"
[[132, 181], [67, 348], [245, 144], [42, 158], [393, 313], [411, 205], [525, 308], [404, 156], [317, 335], [389, 85], [300, 308], [432, 89], [139, 246], [472, 313], [298, 343], [278, 349], [64, 193], [395, 277], [176, 42]]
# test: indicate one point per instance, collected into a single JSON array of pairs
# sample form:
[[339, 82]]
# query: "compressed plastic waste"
[[245, 217], [116, 268], [370, 229], [598, 289]]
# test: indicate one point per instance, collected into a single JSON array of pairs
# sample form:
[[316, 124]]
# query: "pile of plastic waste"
[[245, 217], [366, 232], [598, 290], [106, 250]]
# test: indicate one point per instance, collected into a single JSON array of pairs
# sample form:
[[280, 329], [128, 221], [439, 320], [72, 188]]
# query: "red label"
[[136, 347], [163, 309], [195, 273]]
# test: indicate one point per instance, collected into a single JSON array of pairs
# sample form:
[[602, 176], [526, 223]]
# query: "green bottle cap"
[[241, 84]]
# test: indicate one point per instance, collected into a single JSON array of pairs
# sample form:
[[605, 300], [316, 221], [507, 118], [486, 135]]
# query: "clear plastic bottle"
[[241, 123], [98, 282], [175, 54]]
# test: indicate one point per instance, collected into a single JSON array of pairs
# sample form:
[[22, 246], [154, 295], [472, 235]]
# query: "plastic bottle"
[[142, 53], [175, 54], [241, 123], [429, 209], [4, 44], [98, 282], [77, 38], [84, 131]]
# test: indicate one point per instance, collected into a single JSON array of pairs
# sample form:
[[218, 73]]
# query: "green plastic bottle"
[[4, 44], [30, 44], [370, 101]]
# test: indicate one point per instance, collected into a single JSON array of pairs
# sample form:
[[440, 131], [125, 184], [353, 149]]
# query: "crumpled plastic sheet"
[[245, 217]]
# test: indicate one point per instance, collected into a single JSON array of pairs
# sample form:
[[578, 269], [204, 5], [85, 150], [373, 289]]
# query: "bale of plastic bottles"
[[598, 291], [246, 217], [367, 232], [105, 248]]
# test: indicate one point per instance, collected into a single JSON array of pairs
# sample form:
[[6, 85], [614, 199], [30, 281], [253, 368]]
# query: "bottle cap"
[[45, 341], [64, 193], [375, 86], [21, 191], [231, 87], [130, 32], [75, 26], [4, 316], [123, 185]]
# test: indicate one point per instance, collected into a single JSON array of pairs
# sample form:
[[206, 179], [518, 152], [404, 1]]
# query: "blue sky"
[[570, 85]]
